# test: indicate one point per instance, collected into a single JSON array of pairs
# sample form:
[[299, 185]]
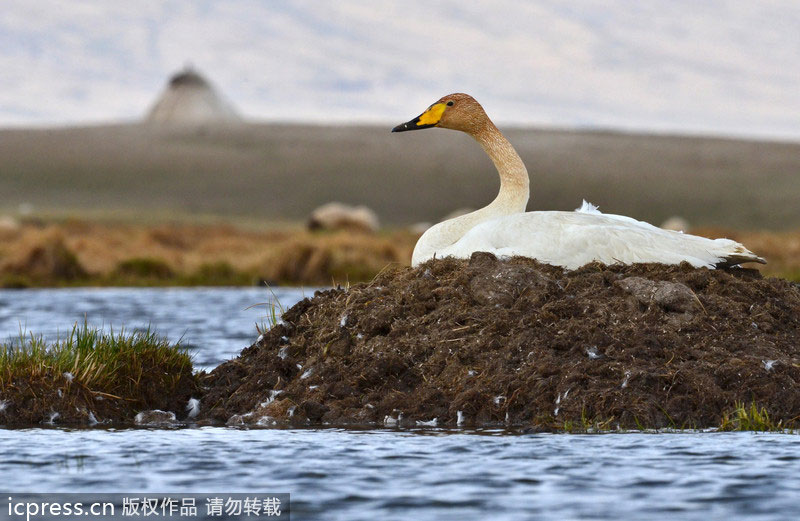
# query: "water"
[[336, 474], [380, 474]]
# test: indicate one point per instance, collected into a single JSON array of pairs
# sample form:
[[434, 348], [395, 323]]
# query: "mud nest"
[[515, 342]]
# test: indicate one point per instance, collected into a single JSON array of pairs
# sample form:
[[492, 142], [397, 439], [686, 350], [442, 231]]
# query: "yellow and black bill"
[[429, 118]]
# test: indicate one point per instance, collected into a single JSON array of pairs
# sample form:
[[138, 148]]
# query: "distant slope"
[[284, 171]]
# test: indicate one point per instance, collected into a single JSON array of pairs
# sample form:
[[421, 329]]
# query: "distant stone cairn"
[[188, 100]]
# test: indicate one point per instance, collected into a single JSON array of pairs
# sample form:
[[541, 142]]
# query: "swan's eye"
[[450, 103]]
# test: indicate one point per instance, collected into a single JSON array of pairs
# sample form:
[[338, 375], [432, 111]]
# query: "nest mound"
[[514, 342]]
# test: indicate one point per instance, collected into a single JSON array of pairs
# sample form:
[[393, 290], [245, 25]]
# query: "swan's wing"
[[573, 239], [588, 208]]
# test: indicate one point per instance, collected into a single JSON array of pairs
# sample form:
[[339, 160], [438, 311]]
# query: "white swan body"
[[573, 239], [567, 239]]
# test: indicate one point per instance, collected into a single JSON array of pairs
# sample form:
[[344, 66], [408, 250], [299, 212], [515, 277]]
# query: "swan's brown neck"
[[512, 198], [514, 181]]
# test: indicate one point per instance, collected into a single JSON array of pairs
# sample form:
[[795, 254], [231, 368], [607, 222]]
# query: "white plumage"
[[573, 239]]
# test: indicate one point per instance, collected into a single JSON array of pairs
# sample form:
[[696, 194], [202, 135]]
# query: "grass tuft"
[[139, 369], [275, 311], [586, 425], [143, 268], [750, 418]]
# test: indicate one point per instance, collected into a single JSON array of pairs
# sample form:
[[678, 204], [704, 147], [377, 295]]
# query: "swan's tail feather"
[[738, 255]]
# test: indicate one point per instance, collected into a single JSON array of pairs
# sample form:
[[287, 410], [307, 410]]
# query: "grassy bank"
[[92, 376], [83, 253]]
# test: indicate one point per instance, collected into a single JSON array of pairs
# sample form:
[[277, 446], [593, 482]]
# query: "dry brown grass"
[[335, 258], [41, 255], [95, 253], [81, 252], [780, 248]]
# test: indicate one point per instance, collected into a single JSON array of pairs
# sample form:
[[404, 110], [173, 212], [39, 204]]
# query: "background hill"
[[276, 171]]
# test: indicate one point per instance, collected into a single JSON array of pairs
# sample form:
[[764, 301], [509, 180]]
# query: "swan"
[[566, 239]]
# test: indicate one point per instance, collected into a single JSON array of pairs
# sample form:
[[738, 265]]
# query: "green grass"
[[143, 268], [145, 271], [275, 311], [752, 418], [792, 275], [588, 425], [218, 274], [112, 363], [741, 418]]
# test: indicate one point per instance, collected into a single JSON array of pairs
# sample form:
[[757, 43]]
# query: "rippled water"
[[335, 474], [380, 474]]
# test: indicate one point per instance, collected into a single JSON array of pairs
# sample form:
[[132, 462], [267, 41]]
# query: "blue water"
[[380, 474]]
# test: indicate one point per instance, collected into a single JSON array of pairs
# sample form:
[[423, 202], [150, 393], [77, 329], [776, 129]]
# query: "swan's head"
[[454, 111]]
